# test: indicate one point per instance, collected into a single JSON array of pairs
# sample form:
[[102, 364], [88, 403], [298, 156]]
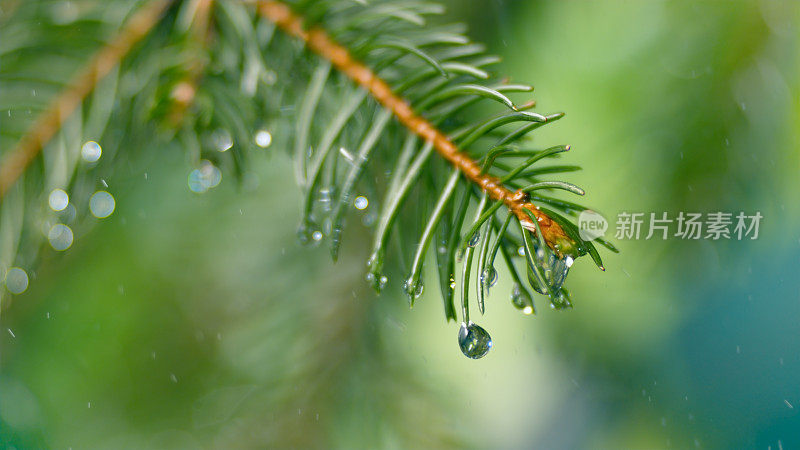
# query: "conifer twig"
[[50, 121], [319, 42]]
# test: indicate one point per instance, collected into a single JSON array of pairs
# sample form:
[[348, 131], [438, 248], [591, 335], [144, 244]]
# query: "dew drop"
[[561, 300], [316, 236], [263, 138], [16, 280], [521, 299], [474, 239], [60, 237], [489, 277], [521, 251], [361, 202], [101, 204], [58, 199], [91, 151], [553, 268], [413, 288], [473, 340]]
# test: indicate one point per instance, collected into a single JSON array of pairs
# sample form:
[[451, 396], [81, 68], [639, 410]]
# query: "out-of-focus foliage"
[[196, 321]]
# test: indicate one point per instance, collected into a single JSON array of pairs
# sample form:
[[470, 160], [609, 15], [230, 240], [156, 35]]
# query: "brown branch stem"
[[319, 42]]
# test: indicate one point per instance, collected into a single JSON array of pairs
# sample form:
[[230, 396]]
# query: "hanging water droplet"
[[560, 268], [91, 151], [489, 277], [474, 239], [473, 340], [101, 204], [521, 251], [16, 280], [561, 300], [521, 299], [413, 288], [263, 138], [553, 268], [382, 282], [60, 237], [58, 199]]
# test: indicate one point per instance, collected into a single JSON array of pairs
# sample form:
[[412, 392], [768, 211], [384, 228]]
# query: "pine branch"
[[318, 41], [374, 62]]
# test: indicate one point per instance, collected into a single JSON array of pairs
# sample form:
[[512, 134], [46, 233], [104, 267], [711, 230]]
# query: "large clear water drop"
[[473, 340]]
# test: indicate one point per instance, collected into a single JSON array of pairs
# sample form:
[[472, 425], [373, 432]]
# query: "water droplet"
[[16, 280], [561, 300], [263, 138], [489, 277], [528, 310], [521, 299], [58, 199], [361, 202], [91, 151], [101, 204], [521, 251], [554, 269], [60, 237], [222, 140], [473, 340], [382, 281], [413, 288], [474, 239], [316, 236]]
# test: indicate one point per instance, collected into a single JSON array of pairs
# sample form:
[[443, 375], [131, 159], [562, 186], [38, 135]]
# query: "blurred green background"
[[197, 321]]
